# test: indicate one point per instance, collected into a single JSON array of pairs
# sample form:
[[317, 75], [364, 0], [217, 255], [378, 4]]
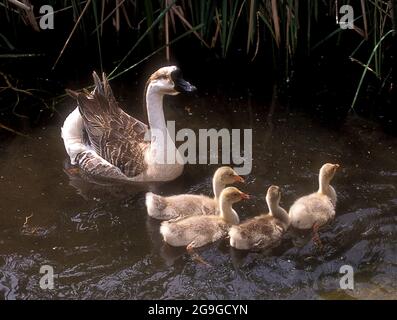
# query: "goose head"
[[327, 172], [168, 81], [232, 195], [226, 175], [273, 196], [228, 197]]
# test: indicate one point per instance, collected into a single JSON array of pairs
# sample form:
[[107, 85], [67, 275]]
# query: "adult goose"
[[183, 205], [106, 142]]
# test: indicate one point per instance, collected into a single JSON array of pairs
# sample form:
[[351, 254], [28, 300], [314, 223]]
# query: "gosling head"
[[168, 80], [226, 175], [327, 171], [233, 195], [273, 195]]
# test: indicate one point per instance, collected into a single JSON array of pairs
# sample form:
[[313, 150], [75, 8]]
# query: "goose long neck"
[[278, 212], [326, 189], [217, 187], [154, 105], [227, 213], [324, 186], [162, 147]]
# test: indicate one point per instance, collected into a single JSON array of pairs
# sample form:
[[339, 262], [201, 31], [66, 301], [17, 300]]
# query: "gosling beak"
[[237, 178], [336, 166], [244, 195]]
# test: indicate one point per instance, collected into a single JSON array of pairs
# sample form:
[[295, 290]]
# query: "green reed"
[[277, 26]]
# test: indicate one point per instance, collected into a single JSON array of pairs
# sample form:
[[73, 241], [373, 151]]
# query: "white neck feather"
[[326, 189], [279, 213], [154, 105], [162, 146], [227, 213], [323, 184], [217, 187]]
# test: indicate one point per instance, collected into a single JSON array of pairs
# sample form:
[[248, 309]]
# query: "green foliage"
[[280, 26]]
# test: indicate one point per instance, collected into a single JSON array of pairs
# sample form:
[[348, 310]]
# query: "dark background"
[[321, 81]]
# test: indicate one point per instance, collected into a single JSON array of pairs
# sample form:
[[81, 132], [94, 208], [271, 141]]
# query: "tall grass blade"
[[150, 18], [276, 22], [374, 50], [155, 22], [108, 16], [97, 34], [167, 34], [364, 19], [71, 34], [251, 23], [155, 52]]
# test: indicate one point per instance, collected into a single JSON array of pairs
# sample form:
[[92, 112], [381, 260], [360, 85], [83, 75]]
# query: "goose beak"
[[336, 166], [182, 85], [237, 178], [244, 195]]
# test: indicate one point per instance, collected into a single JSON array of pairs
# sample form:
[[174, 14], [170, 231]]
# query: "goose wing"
[[95, 165], [114, 135], [133, 126], [259, 232]]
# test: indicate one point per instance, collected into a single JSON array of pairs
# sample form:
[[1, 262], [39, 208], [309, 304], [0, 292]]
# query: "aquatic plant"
[[286, 28]]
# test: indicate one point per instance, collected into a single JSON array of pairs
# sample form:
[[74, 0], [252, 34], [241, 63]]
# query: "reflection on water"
[[101, 243]]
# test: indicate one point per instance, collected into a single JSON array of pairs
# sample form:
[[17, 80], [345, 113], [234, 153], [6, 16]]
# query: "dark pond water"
[[101, 243]]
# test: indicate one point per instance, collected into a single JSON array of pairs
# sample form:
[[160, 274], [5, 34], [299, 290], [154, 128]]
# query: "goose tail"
[[99, 102], [165, 230], [236, 240], [155, 205], [98, 84]]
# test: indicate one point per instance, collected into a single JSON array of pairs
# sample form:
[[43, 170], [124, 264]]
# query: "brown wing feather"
[[134, 126], [261, 231], [113, 134], [95, 165]]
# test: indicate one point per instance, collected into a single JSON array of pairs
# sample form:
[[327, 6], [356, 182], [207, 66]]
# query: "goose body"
[[197, 231], [183, 205], [178, 206], [264, 231], [106, 142], [316, 209]]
